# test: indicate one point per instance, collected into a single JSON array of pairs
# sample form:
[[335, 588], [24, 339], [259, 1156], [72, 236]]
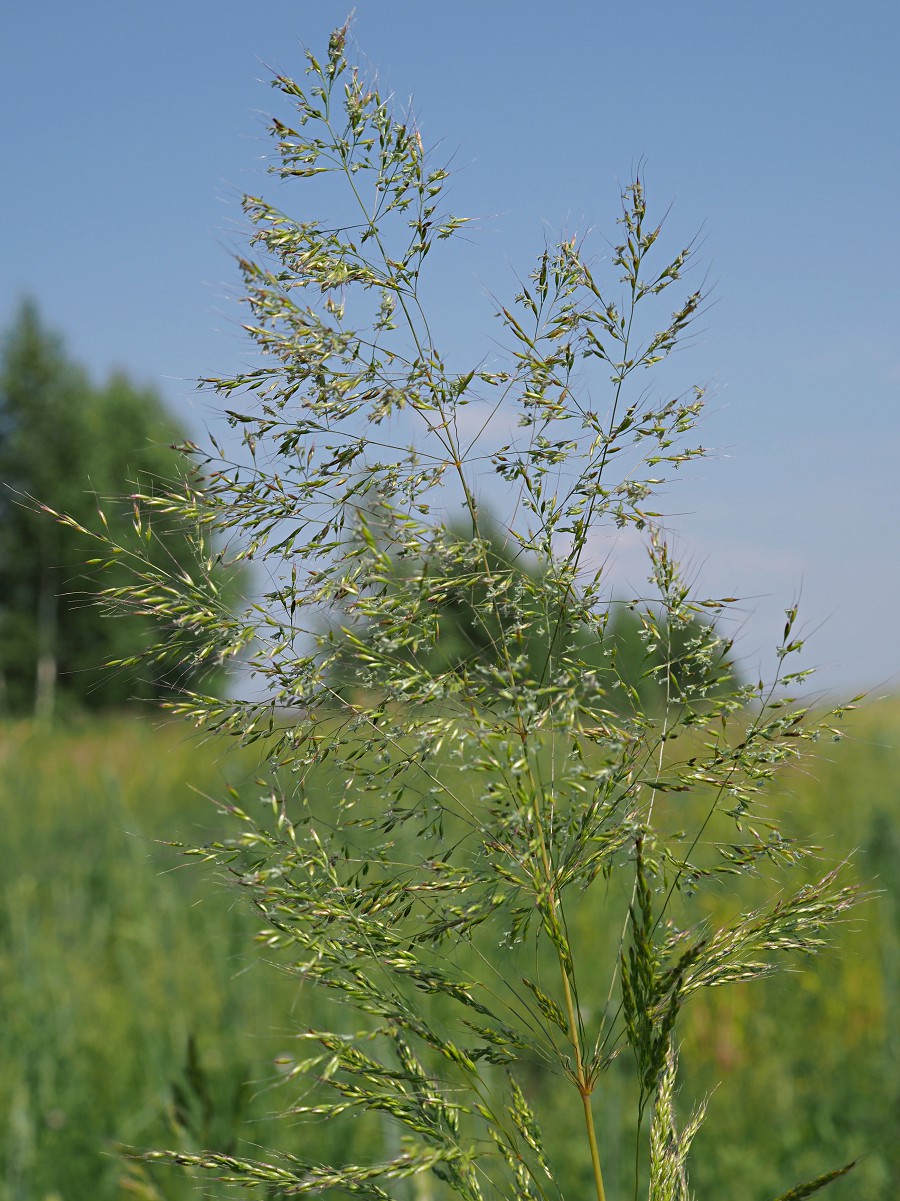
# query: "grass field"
[[135, 1008]]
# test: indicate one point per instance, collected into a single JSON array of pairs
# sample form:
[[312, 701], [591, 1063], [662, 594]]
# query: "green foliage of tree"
[[76, 448], [444, 852], [634, 661]]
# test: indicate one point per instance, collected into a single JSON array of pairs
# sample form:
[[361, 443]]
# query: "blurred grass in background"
[[134, 1008], [114, 953]]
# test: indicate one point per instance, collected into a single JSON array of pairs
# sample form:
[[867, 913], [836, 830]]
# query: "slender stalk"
[[584, 1087]]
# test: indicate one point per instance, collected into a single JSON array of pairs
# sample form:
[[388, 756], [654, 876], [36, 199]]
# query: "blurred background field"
[[136, 1009]]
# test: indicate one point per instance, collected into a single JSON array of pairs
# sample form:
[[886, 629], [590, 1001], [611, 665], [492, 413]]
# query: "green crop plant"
[[494, 866]]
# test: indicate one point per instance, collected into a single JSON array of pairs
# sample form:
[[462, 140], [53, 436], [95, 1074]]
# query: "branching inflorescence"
[[438, 832]]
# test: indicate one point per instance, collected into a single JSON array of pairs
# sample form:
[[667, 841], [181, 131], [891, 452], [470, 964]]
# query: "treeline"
[[81, 449]]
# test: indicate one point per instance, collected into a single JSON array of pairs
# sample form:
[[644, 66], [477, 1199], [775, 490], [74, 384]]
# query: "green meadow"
[[137, 1009]]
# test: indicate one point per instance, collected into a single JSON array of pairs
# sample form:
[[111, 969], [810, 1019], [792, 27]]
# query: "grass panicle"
[[433, 827]]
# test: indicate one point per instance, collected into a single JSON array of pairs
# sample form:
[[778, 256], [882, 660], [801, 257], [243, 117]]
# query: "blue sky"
[[129, 132]]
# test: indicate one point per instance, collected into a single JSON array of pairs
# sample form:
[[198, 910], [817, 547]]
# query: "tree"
[[74, 447], [493, 872], [631, 664]]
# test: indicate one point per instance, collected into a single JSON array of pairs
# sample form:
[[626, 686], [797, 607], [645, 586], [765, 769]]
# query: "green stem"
[[581, 1079], [584, 1087]]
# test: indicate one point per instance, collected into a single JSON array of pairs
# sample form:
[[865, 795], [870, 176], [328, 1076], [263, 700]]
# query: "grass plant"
[[494, 877]]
